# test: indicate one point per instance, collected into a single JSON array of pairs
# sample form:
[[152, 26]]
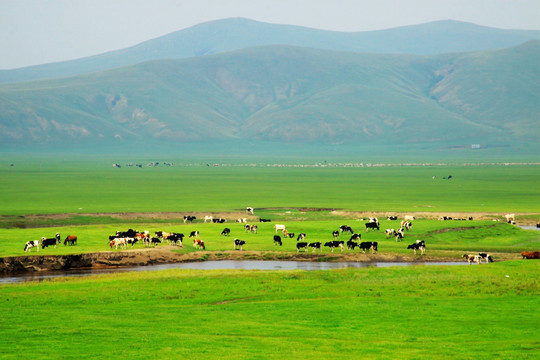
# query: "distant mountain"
[[286, 94], [234, 34]]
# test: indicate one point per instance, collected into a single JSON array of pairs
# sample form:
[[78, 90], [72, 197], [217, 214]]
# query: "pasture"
[[420, 312]]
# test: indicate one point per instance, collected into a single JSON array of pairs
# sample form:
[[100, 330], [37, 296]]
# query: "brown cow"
[[531, 254], [71, 239]]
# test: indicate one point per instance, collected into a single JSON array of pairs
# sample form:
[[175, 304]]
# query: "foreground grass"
[[434, 312]]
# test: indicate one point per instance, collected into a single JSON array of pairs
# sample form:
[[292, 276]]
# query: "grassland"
[[480, 312]]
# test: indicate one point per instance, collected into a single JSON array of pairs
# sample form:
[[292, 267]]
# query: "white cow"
[[249, 210], [209, 218], [510, 217], [409, 218], [279, 227]]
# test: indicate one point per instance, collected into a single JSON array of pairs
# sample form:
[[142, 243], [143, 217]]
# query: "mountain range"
[[446, 83]]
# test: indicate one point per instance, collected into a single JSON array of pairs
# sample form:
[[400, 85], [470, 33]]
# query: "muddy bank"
[[166, 255]]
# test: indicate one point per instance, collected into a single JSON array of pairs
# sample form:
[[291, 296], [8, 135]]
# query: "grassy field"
[[436, 312], [45, 186]]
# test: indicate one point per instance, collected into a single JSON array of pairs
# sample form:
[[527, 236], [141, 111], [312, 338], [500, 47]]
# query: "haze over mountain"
[[286, 94], [237, 33]]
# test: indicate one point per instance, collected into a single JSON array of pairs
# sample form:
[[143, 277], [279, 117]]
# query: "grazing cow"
[[315, 245], [279, 227], [241, 220], [249, 210], [208, 218], [335, 234], [510, 217], [122, 242], [399, 234], [131, 241], [334, 244], [345, 228], [194, 234], [372, 225], [374, 220], [199, 244], [71, 239], [531, 254], [253, 228], [390, 217], [486, 257], [351, 244], [472, 258], [418, 245], [129, 233], [290, 235], [367, 245], [239, 244], [406, 225], [31, 244], [177, 239], [355, 237], [219, 221], [409, 218], [277, 240], [189, 218], [301, 245], [264, 220], [154, 241], [301, 236], [50, 241], [226, 232], [390, 232]]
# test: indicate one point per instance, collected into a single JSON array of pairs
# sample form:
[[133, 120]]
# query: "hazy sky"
[[42, 31]]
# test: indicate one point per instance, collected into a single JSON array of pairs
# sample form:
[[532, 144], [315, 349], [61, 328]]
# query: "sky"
[[35, 32]]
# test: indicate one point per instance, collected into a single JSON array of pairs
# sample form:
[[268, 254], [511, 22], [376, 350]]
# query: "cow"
[[472, 258], [355, 237], [372, 225], [241, 220], [131, 241], [290, 235], [334, 244], [122, 242], [189, 218], [510, 217], [373, 220], [50, 241], [277, 240], [199, 244], [226, 232], [154, 241], [279, 227], [390, 217], [31, 244], [208, 218], [485, 257], [345, 228], [301, 245], [390, 232], [194, 234], [531, 254], [239, 244], [71, 239], [301, 236], [335, 234], [368, 245], [253, 228], [406, 225], [315, 245], [409, 218], [219, 221], [129, 233], [249, 210], [418, 245], [351, 244], [177, 239], [264, 220]]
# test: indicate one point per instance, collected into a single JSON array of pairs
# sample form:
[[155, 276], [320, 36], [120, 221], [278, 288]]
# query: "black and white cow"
[[45, 242], [264, 220], [399, 234], [390, 217], [301, 236], [368, 245], [239, 244], [226, 232], [194, 234], [345, 228], [277, 240], [219, 221], [249, 210], [418, 245], [486, 257], [131, 241], [473, 258], [355, 237], [301, 245], [315, 245], [390, 232], [351, 244], [406, 225], [31, 244], [335, 234], [334, 244], [189, 218], [176, 239], [372, 225]]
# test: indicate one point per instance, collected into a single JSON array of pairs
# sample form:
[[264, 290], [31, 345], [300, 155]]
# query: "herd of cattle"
[[123, 239]]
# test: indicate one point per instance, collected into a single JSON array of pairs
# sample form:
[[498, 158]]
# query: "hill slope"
[[286, 94], [232, 34]]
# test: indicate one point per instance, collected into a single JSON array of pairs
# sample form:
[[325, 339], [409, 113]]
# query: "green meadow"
[[417, 312]]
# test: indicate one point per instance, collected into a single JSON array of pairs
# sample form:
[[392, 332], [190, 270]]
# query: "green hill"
[[286, 94], [234, 34]]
